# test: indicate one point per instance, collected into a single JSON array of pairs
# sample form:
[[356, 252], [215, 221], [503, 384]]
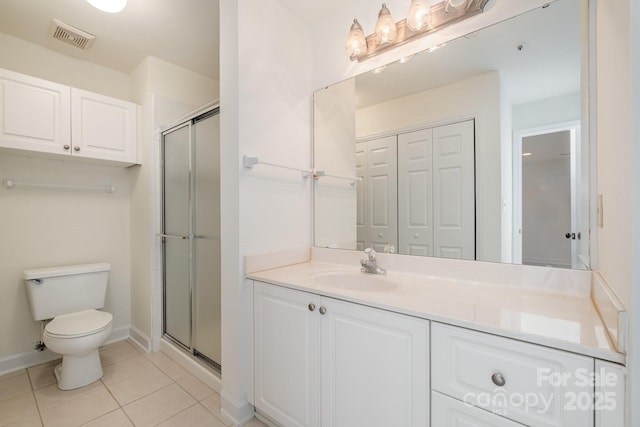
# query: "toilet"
[[70, 296]]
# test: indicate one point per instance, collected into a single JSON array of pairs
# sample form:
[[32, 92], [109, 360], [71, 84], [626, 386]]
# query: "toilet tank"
[[66, 289]]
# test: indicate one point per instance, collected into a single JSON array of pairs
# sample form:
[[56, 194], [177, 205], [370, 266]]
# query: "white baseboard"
[[193, 366], [139, 338], [32, 358], [26, 360], [240, 412], [118, 334]]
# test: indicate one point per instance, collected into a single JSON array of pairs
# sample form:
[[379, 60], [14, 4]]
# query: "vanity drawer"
[[449, 412], [527, 383]]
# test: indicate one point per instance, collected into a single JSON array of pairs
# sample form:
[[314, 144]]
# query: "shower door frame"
[[190, 347]]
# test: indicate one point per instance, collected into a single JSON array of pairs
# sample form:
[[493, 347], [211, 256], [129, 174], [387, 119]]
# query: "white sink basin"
[[355, 281]]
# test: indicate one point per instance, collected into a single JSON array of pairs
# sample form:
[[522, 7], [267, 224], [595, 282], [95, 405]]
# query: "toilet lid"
[[78, 324]]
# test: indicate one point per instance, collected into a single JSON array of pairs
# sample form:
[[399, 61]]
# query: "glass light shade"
[[356, 41], [454, 5], [419, 15], [110, 6], [385, 27]]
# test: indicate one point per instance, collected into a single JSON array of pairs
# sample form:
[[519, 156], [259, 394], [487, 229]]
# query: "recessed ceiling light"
[[527, 154], [110, 6]]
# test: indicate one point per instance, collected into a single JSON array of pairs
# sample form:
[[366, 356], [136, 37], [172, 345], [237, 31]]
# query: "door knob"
[[66, 146], [322, 310], [76, 148], [312, 306]]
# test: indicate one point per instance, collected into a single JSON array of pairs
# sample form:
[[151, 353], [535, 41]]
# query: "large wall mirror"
[[475, 150]]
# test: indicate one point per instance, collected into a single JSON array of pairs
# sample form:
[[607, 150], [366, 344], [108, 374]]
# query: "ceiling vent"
[[72, 35]]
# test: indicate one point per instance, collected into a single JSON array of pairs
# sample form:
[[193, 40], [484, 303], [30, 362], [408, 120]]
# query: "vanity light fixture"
[[110, 6], [419, 15], [453, 6], [356, 43], [386, 30], [422, 19]]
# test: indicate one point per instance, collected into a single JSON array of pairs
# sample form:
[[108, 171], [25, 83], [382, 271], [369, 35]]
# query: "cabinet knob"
[[322, 310], [498, 379], [66, 146], [312, 306], [76, 148]]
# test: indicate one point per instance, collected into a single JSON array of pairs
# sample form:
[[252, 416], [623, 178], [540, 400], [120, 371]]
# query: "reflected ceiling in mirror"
[[426, 187]]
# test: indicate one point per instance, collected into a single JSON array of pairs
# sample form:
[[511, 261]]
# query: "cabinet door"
[[610, 394], [374, 367], [103, 127], [449, 412], [34, 114], [286, 340]]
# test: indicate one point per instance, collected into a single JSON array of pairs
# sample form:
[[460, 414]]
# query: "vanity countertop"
[[565, 322]]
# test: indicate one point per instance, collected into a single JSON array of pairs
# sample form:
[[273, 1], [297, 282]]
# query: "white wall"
[[544, 112], [166, 93], [49, 227], [478, 98], [614, 144], [634, 356], [266, 112], [618, 92], [41, 228], [28, 58]]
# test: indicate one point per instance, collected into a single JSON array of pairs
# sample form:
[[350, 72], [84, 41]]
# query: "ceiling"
[[182, 32], [548, 64]]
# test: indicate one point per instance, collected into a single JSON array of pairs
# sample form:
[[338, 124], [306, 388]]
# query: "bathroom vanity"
[[337, 347]]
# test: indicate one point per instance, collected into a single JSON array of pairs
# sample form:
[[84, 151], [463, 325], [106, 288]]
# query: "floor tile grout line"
[[120, 407], [33, 396]]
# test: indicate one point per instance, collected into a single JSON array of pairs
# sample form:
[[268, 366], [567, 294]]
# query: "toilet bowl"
[[77, 337]]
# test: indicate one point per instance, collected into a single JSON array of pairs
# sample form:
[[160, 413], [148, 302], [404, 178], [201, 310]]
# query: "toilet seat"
[[80, 324]]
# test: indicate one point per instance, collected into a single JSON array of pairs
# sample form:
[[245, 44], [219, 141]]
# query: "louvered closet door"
[[453, 191], [415, 188]]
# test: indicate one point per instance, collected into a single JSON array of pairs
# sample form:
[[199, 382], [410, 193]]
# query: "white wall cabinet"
[[103, 127], [35, 114], [324, 362], [45, 117]]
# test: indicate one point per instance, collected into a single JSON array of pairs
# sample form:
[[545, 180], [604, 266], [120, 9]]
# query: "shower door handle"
[[174, 236]]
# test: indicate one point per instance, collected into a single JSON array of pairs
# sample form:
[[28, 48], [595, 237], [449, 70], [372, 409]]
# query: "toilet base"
[[78, 370]]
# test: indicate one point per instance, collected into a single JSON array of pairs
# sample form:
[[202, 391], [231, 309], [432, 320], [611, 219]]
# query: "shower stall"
[[191, 235]]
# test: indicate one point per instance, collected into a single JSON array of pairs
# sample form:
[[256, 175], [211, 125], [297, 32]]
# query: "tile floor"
[[137, 389]]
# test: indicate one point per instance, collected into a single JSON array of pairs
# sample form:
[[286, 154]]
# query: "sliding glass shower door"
[[191, 235]]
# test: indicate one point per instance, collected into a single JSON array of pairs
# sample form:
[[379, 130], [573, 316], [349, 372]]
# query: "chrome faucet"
[[369, 264]]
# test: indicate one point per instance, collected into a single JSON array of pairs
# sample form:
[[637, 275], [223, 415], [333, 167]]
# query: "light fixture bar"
[[439, 19]]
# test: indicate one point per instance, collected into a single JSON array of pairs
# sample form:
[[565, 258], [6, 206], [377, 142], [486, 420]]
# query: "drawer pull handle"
[[312, 306], [498, 379]]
